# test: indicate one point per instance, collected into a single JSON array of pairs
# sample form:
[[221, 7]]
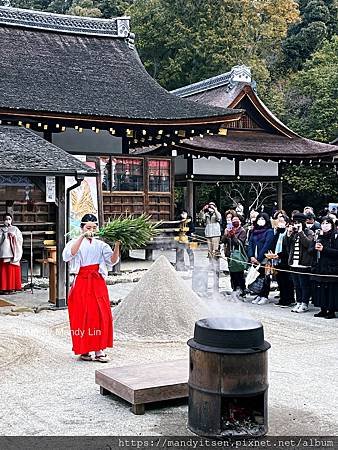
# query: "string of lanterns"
[[137, 137], [153, 136]]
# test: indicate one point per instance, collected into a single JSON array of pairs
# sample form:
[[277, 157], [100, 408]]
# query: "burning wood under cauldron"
[[228, 378]]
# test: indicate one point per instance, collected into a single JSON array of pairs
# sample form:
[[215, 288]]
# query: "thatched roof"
[[76, 66]]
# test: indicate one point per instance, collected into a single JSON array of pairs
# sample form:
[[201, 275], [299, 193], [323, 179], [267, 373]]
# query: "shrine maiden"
[[90, 316], [10, 255]]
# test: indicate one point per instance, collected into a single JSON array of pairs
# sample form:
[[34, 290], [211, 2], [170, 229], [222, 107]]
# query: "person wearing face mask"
[[233, 238], [185, 222], [227, 221], [299, 239], [311, 222], [324, 251], [10, 255], [280, 255], [249, 226], [260, 243], [212, 219]]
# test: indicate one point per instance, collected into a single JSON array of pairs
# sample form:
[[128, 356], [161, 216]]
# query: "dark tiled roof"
[[118, 27], [228, 80], [261, 145], [219, 96], [83, 74], [253, 144], [25, 152]]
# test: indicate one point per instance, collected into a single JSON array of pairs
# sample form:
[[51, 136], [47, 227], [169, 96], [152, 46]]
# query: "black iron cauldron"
[[228, 378]]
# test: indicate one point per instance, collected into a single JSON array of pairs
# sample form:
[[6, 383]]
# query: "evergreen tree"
[[311, 97], [181, 42], [318, 22], [91, 8]]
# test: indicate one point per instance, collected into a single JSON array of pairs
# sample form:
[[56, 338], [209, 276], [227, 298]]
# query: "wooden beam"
[[60, 243], [181, 179], [108, 121]]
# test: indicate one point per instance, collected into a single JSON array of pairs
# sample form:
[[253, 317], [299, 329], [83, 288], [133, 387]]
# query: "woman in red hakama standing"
[[10, 256], [90, 316]]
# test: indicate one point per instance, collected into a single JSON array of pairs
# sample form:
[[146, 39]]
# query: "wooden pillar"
[[190, 197], [190, 186], [60, 243], [185, 198], [280, 194], [48, 135], [125, 145]]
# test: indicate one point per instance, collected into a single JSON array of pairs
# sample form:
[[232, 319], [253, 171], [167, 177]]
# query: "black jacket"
[[326, 261], [305, 240]]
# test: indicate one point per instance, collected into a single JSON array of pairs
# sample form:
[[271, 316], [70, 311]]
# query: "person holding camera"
[[324, 251], [299, 239], [227, 219], [212, 219]]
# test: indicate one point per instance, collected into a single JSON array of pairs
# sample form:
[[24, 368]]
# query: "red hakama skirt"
[[10, 276], [90, 317]]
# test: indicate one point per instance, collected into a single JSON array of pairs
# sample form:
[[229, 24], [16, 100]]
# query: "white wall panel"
[[214, 166], [258, 168]]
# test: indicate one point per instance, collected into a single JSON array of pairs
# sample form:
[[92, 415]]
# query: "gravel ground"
[[45, 390]]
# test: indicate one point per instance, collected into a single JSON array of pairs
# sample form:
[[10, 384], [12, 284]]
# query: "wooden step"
[[145, 383]]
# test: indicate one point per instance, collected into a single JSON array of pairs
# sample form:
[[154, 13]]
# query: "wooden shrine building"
[[250, 149], [80, 83], [26, 160]]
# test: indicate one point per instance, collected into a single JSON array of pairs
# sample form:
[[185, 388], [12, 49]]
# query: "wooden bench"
[[145, 383]]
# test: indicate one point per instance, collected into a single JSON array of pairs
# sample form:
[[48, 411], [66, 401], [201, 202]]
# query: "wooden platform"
[[145, 383]]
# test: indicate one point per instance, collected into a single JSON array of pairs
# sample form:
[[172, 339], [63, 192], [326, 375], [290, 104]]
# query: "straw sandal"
[[86, 357], [102, 358]]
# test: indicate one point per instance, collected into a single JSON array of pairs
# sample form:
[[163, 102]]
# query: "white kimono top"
[[90, 252], [11, 244]]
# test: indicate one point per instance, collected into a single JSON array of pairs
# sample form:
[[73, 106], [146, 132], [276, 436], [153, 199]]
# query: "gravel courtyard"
[[45, 390]]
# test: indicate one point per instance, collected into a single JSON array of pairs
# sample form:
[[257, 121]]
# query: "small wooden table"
[[51, 261], [145, 383]]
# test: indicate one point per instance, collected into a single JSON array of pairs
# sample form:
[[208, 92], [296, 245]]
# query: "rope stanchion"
[[282, 270], [226, 258]]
